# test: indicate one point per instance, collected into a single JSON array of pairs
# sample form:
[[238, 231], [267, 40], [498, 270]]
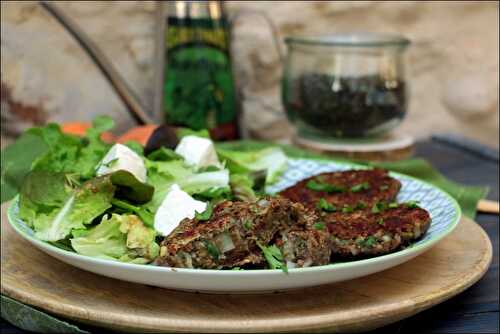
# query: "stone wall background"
[[452, 64]]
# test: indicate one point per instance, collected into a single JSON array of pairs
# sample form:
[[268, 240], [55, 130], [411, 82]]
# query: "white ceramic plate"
[[444, 211]]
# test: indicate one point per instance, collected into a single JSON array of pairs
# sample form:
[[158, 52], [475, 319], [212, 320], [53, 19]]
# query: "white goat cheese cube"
[[176, 206], [120, 157], [198, 151]]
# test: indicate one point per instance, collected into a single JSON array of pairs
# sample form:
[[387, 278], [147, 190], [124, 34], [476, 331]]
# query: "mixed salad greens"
[[106, 200]]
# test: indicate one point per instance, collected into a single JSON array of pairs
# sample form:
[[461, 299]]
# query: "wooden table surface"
[[477, 309]]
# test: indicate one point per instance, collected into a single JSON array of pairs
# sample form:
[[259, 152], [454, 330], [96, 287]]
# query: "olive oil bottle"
[[198, 85]]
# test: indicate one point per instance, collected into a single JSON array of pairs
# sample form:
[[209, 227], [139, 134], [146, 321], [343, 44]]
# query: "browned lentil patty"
[[364, 233], [230, 237], [358, 186], [356, 231]]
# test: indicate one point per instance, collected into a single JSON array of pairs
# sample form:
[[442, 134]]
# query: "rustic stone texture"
[[452, 64]]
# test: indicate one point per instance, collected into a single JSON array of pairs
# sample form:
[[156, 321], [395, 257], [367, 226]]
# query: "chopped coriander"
[[360, 205], [381, 221], [379, 207], [347, 209], [274, 257], [384, 187], [412, 204], [212, 250], [205, 215], [237, 268], [370, 241], [319, 226], [393, 205], [359, 187], [324, 205], [318, 185], [248, 225]]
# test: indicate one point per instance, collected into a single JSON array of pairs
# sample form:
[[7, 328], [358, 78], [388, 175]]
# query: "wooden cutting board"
[[456, 263]]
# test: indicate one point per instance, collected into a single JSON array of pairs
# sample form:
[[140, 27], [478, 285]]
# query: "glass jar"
[[345, 85]]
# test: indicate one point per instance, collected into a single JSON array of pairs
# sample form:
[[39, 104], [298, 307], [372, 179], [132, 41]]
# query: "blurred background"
[[452, 64]]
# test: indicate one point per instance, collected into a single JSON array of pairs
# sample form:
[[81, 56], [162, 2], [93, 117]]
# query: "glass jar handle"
[[272, 28], [276, 41]]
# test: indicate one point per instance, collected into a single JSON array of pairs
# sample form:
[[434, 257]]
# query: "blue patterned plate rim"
[[20, 227]]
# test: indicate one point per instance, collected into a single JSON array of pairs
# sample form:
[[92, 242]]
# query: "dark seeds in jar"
[[348, 106]]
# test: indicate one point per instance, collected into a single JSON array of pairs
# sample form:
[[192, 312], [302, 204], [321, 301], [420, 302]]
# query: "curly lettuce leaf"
[[93, 148], [43, 192], [49, 149], [165, 173], [118, 237], [242, 187], [85, 204], [183, 132], [129, 187], [62, 153], [16, 160], [135, 146], [272, 160]]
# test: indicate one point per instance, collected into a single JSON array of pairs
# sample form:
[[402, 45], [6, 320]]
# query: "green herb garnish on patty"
[[274, 257], [360, 187], [347, 209], [325, 206], [319, 226], [248, 225], [360, 205], [205, 215], [212, 250], [412, 204], [370, 241], [318, 185]]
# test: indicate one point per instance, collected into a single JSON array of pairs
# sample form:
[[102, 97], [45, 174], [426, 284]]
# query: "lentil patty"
[[351, 188], [364, 233], [232, 235]]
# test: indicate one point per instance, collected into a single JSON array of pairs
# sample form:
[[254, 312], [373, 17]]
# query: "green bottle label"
[[198, 89]]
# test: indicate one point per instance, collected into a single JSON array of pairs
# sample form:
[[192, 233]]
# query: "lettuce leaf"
[[118, 237], [93, 148], [82, 206], [129, 187], [272, 160], [49, 149], [16, 160], [183, 132], [162, 174], [164, 154], [43, 192], [242, 187]]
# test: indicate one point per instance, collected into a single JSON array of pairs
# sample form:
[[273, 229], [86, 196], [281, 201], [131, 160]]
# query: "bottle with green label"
[[198, 85]]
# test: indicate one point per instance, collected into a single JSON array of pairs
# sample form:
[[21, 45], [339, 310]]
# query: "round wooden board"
[[453, 265]]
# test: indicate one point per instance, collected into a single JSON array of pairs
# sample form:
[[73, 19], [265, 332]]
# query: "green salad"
[[113, 201]]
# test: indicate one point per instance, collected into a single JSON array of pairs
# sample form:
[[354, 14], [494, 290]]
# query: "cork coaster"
[[393, 146]]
